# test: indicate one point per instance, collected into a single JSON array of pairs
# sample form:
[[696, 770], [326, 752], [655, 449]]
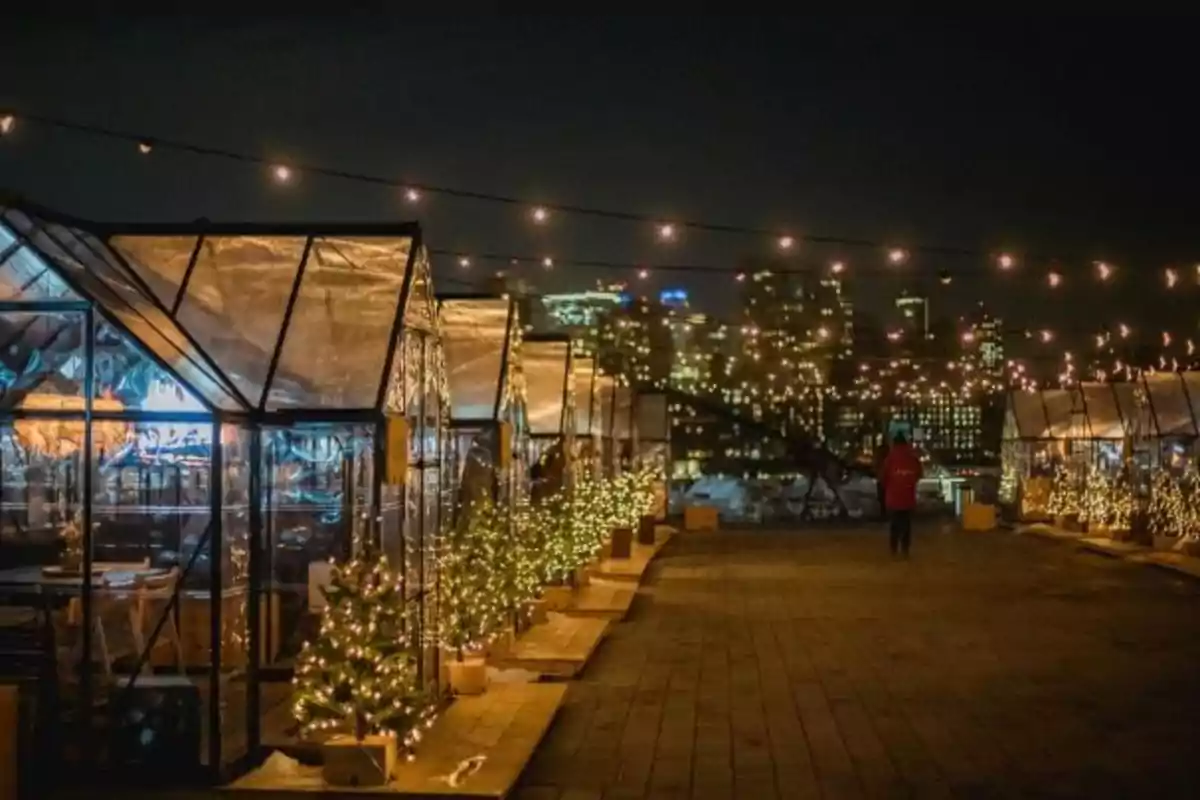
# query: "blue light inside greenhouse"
[[624, 298], [673, 297]]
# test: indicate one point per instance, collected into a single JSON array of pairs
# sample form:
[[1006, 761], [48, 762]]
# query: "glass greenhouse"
[[195, 419], [1064, 450]]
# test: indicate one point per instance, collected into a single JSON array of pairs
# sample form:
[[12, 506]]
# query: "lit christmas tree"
[[475, 570], [360, 674]]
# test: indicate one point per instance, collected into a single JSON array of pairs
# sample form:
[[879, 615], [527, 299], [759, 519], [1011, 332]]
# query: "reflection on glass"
[[160, 261], [337, 338], [419, 312], [40, 354], [127, 375], [236, 300], [317, 498], [24, 276]]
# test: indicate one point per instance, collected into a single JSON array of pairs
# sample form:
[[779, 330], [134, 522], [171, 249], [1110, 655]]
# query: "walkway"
[[762, 665]]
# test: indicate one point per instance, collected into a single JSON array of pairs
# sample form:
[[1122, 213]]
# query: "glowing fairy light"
[[666, 232], [1172, 277], [540, 215], [464, 262], [145, 147], [548, 262], [1124, 330], [7, 123], [1006, 261], [1054, 279], [837, 267], [897, 255], [281, 173], [786, 242], [1103, 270], [412, 195]]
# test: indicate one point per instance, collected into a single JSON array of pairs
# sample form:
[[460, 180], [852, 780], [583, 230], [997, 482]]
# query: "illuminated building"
[[582, 315]]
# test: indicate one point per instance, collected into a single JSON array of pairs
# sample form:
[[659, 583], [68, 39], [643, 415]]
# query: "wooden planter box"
[[348, 762], [622, 543]]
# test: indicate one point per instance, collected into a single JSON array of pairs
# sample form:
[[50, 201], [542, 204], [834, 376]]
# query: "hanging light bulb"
[[1103, 270], [464, 262], [643, 273], [1006, 261], [281, 173], [786, 242], [1047, 335], [547, 262], [945, 277], [1166, 338], [1054, 279], [412, 195], [1123, 329], [540, 215], [7, 123], [741, 276], [666, 232], [837, 267], [1171, 276], [145, 147], [897, 256]]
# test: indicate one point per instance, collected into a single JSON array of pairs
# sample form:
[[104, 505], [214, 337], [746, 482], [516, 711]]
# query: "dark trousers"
[[901, 531]]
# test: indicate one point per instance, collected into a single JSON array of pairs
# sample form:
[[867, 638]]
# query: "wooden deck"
[[476, 749], [634, 567], [557, 648], [604, 599]]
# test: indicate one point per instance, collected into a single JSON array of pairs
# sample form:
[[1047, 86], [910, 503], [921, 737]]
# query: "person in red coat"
[[901, 471]]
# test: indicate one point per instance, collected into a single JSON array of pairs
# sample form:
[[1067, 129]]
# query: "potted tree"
[[471, 596], [356, 683]]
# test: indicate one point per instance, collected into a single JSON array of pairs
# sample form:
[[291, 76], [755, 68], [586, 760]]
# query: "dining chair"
[[154, 595]]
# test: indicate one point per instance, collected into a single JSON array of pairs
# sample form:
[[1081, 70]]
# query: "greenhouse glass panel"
[[1029, 414], [123, 372], [41, 356], [336, 342], [1172, 412], [160, 261], [235, 303], [545, 364], [1134, 416], [474, 335], [1104, 417], [1064, 414], [1191, 381], [419, 312], [96, 271], [25, 277]]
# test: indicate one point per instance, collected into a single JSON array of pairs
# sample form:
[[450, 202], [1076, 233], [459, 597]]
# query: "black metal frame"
[[250, 418]]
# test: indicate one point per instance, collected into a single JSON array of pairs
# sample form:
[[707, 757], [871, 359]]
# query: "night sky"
[[1068, 138]]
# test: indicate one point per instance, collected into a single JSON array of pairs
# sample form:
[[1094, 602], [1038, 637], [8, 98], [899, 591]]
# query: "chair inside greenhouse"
[[196, 419]]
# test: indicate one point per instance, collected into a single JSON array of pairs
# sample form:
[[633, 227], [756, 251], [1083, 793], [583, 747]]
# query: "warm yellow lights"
[[1104, 271], [412, 195], [1054, 279], [897, 256], [1171, 276], [547, 262], [786, 242], [7, 123], [643, 273], [464, 262], [540, 215], [1046, 335], [145, 147], [1006, 261], [666, 232], [281, 173], [1124, 330], [837, 267]]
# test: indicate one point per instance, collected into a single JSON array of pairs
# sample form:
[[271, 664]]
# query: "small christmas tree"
[[475, 570], [360, 674]]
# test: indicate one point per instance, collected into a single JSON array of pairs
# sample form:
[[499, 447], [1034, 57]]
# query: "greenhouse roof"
[[1155, 405], [549, 385], [478, 338], [249, 317]]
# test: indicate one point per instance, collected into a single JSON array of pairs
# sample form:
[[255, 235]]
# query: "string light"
[[1166, 338], [547, 262], [1054, 279], [786, 242], [1172, 277], [1124, 330], [412, 195], [945, 277], [1047, 335], [1006, 261], [643, 273], [666, 232], [145, 148], [7, 123], [281, 173], [464, 262], [897, 256], [837, 267], [1103, 270], [540, 215]]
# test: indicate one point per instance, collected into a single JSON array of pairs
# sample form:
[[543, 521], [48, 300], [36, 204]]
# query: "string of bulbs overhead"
[[542, 213]]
